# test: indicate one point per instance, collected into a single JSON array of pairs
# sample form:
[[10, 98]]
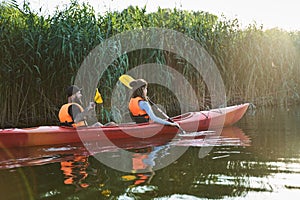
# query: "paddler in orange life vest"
[[139, 107], [72, 113]]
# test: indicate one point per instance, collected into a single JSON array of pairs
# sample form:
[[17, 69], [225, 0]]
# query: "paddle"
[[98, 98], [126, 80]]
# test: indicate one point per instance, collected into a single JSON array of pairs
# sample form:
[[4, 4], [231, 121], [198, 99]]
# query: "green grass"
[[40, 56]]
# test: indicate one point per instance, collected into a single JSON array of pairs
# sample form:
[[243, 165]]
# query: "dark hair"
[[137, 87], [73, 89]]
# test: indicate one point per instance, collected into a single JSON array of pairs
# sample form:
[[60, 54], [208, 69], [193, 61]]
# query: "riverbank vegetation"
[[40, 56]]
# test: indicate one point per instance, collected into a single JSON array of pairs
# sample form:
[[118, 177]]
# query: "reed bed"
[[40, 56]]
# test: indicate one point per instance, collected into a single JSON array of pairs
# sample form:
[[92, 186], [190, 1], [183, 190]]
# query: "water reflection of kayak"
[[145, 161], [53, 135], [229, 136], [40, 155], [32, 156]]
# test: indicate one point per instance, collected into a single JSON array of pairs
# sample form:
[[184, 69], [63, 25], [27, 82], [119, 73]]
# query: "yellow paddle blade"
[[126, 80], [128, 177], [98, 99]]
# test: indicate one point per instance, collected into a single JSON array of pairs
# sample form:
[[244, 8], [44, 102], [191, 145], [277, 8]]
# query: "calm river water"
[[258, 158]]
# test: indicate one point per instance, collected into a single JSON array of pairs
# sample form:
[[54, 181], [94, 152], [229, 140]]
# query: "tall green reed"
[[40, 57]]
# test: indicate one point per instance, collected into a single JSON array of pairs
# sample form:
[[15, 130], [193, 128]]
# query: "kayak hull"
[[118, 134], [40, 155]]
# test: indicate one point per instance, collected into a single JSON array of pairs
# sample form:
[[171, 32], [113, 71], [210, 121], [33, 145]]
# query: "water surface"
[[257, 158]]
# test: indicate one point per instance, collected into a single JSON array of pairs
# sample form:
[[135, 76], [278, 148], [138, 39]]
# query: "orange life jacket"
[[66, 118], [137, 114]]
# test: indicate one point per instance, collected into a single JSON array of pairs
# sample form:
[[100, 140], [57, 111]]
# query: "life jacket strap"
[[139, 118], [69, 124]]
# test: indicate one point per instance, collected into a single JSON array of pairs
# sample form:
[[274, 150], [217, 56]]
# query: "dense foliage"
[[40, 56]]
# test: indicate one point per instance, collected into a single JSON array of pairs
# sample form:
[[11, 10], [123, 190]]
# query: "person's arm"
[[76, 113], [73, 111], [144, 105]]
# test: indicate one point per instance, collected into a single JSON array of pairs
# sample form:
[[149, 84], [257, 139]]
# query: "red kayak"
[[40, 155], [107, 135]]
